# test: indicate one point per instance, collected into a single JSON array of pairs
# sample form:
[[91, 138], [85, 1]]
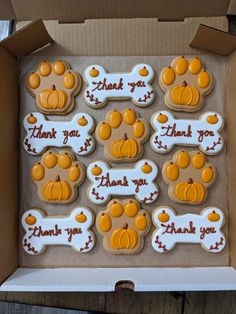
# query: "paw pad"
[[57, 176], [122, 134], [188, 176], [185, 83], [123, 226], [54, 86]]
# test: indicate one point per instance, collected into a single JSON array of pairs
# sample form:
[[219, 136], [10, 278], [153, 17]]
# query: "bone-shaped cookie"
[[73, 230], [202, 132], [103, 86], [137, 181], [42, 133], [204, 229]]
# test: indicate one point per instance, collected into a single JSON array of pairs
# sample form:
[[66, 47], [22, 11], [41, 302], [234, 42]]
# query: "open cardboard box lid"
[[100, 28]]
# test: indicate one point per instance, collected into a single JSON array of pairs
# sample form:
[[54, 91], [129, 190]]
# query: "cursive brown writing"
[[104, 85], [40, 232], [67, 134]]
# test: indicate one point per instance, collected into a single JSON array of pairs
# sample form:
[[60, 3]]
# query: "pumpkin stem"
[[125, 136], [29, 215], [213, 212], [53, 87], [81, 213], [57, 178], [125, 226], [184, 84], [190, 181]]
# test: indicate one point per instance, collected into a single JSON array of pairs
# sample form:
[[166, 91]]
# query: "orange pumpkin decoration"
[[193, 192], [124, 238], [31, 119], [81, 217], [56, 190], [213, 216], [30, 220], [163, 217], [105, 222], [185, 95], [96, 171], [124, 148], [53, 98]]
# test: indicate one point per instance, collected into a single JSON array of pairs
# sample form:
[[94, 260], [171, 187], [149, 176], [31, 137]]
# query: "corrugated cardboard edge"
[[28, 39], [214, 40], [9, 164]]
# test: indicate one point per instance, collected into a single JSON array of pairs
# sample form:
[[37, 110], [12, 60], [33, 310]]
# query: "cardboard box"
[[106, 28]]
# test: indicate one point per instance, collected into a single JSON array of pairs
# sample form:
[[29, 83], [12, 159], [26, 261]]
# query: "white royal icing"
[[119, 85], [194, 132], [123, 181], [45, 133], [188, 228], [57, 230]]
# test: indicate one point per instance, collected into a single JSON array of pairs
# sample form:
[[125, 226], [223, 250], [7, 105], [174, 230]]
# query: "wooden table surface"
[[125, 301]]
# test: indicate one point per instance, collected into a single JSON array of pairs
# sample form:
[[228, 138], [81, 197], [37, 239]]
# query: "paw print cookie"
[[57, 176], [185, 82], [122, 134], [189, 176], [54, 86], [123, 226]]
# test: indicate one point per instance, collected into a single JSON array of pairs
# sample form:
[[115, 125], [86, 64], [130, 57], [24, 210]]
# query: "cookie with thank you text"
[[189, 176], [57, 176], [122, 134], [54, 86], [72, 230], [185, 82], [123, 226]]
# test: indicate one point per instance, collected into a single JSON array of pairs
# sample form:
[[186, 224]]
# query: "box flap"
[[214, 40], [79, 10], [7, 12], [28, 39]]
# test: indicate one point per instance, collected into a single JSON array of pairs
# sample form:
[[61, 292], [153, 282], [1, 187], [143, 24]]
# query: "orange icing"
[[30, 220], [168, 76], [34, 80], [207, 174], [96, 171], [195, 66], [74, 173], [190, 191], [56, 190], [45, 68], [141, 222], [37, 172], [198, 160], [203, 79], [183, 159], [94, 72], [81, 217], [64, 160], [131, 209], [146, 168], [143, 72], [124, 148], [69, 80], [105, 223], [138, 129], [181, 66], [59, 67], [124, 238], [185, 95], [129, 116], [172, 171], [104, 131], [213, 216], [212, 119], [162, 118], [163, 217], [31, 119], [116, 209], [53, 98], [50, 160], [82, 121], [115, 119]]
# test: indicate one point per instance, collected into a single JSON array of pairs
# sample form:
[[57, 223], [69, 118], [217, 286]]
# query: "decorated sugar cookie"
[[54, 86], [137, 181], [189, 177], [204, 229], [123, 226], [186, 83], [122, 135], [42, 133], [42, 230], [202, 132], [134, 85], [57, 176]]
